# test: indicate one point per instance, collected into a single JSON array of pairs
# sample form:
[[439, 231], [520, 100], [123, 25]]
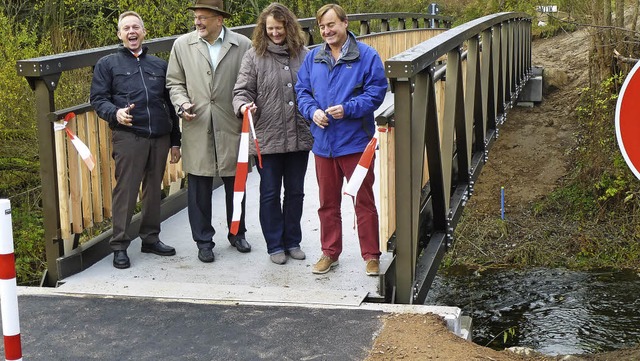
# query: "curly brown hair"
[[295, 36]]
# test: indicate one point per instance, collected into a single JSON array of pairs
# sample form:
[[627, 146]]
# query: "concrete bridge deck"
[[234, 276], [237, 277]]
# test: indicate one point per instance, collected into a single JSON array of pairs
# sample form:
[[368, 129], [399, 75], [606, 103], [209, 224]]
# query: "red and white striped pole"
[[8, 287]]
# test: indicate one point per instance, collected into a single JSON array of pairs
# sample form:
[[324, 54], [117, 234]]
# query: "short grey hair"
[[129, 13]]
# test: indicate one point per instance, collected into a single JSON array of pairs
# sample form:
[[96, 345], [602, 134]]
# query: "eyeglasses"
[[203, 18]]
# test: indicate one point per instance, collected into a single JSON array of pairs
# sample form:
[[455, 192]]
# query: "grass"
[[20, 183], [569, 228]]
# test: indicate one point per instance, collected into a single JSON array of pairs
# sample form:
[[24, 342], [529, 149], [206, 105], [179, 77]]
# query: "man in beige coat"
[[202, 71]]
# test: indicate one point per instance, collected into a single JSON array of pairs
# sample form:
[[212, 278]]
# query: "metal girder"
[[475, 104]]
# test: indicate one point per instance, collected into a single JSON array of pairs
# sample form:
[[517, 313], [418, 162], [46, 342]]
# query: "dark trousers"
[[330, 173], [137, 160], [199, 191], [280, 220]]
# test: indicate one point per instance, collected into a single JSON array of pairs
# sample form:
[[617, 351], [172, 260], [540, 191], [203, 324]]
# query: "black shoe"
[[121, 260], [240, 243], [206, 255], [158, 248]]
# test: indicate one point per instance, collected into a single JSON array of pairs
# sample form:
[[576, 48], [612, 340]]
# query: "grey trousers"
[[138, 160]]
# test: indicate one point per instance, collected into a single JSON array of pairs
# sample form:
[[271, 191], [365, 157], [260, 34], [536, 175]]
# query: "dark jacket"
[[120, 79], [268, 81], [357, 81]]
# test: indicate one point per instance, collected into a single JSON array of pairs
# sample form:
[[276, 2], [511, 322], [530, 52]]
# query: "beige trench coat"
[[210, 141]]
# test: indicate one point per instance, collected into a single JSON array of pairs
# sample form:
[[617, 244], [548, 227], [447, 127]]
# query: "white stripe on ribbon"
[[81, 148], [355, 181], [239, 183]]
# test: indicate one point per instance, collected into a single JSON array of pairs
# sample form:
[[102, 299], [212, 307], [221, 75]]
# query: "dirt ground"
[[529, 158], [531, 153]]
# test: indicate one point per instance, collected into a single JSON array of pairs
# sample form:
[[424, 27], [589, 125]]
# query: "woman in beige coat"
[[201, 89], [266, 86]]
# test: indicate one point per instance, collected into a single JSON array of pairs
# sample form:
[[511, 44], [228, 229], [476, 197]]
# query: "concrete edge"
[[452, 315]]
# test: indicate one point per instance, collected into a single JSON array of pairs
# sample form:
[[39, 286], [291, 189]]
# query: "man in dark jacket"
[[128, 91]]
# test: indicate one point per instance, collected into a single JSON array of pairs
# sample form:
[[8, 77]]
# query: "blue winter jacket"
[[357, 81]]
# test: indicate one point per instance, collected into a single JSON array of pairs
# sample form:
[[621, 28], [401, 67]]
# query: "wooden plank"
[[112, 166], [92, 139], [104, 136], [391, 180], [384, 189], [166, 177], [85, 178], [172, 170], [74, 182], [464, 71], [440, 98], [63, 184], [389, 45], [387, 187]]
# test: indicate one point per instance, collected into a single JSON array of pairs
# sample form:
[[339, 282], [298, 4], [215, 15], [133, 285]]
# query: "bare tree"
[[620, 35], [634, 17]]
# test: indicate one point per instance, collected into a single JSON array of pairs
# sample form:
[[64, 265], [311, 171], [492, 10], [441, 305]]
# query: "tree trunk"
[[634, 23], [607, 43], [620, 34]]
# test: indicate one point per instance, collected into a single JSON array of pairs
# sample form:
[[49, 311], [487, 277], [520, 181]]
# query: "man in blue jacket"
[[340, 84], [128, 91]]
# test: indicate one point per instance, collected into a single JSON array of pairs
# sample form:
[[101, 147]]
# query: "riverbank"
[[533, 157], [425, 337], [530, 159]]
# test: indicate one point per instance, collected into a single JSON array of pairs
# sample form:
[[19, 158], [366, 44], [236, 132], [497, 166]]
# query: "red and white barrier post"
[[8, 287]]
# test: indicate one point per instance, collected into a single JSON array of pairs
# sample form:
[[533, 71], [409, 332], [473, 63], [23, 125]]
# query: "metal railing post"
[[54, 248]]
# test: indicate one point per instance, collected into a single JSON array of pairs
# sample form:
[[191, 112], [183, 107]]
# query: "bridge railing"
[[451, 93], [75, 199]]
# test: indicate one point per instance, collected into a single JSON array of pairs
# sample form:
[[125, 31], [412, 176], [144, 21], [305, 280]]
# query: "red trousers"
[[330, 173]]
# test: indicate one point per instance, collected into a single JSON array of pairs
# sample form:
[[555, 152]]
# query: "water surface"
[[554, 311]]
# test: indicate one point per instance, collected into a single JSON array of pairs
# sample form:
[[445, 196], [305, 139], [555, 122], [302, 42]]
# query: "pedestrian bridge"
[[451, 90]]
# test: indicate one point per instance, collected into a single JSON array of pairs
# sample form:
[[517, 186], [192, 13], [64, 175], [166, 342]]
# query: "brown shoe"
[[324, 264], [373, 267]]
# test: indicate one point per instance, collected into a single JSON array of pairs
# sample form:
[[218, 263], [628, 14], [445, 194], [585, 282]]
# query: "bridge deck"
[[236, 277]]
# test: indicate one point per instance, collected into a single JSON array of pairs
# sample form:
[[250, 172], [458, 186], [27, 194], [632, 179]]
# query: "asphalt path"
[[55, 327]]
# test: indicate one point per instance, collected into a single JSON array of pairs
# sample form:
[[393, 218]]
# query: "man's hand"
[[320, 118], [123, 116], [175, 155], [336, 111], [186, 112]]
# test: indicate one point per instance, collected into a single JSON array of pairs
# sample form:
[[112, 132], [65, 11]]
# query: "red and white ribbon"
[[242, 169], [81, 148], [8, 287], [354, 183]]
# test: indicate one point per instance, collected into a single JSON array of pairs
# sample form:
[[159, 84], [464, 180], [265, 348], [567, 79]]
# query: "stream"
[[553, 311]]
